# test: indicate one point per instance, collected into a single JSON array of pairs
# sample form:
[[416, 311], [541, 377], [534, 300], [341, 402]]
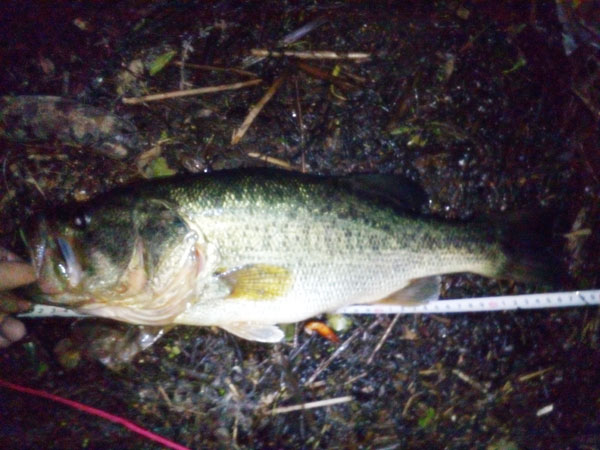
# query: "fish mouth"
[[57, 266]]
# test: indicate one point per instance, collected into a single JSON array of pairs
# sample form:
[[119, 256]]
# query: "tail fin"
[[532, 247]]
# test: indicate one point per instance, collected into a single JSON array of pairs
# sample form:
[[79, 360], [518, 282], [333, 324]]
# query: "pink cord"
[[97, 412]]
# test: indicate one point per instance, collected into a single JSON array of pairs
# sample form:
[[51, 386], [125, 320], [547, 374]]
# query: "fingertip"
[[12, 329]]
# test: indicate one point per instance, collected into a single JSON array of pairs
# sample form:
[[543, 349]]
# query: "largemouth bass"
[[247, 250]]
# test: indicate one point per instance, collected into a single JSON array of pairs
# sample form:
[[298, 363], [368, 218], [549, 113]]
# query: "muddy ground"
[[493, 109]]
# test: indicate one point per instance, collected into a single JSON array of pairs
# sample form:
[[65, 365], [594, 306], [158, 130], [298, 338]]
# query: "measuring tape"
[[38, 311], [480, 304], [484, 304]]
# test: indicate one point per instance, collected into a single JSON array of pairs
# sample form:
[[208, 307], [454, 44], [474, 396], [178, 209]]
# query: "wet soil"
[[493, 108]]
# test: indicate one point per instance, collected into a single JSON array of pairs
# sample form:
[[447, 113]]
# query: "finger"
[[15, 274], [11, 329], [12, 303], [7, 255]]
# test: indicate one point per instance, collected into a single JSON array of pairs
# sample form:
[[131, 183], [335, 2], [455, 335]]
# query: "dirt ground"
[[492, 107]]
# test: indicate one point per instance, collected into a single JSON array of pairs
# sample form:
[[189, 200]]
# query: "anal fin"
[[418, 290], [255, 331]]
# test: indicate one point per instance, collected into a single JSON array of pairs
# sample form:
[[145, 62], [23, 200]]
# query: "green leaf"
[[161, 61], [426, 420], [521, 62], [401, 130], [159, 168]]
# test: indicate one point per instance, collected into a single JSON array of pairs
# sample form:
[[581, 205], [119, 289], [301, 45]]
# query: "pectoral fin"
[[255, 332], [258, 281], [418, 290]]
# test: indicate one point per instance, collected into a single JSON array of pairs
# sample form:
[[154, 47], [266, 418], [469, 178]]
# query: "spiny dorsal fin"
[[395, 190]]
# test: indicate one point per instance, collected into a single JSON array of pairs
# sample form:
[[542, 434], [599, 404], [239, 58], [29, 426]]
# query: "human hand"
[[13, 273], [11, 330]]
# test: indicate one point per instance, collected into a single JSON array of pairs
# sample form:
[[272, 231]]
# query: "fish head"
[[81, 250], [131, 260]]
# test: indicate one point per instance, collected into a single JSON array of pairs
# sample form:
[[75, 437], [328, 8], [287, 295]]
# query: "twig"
[[288, 39], [301, 126], [271, 160], [33, 181], [357, 377], [325, 54], [467, 379], [311, 405], [409, 403], [587, 102], [254, 111], [326, 76], [334, 355], [246, 73], [537, 373], [234, 431], [383, 338], [164, 395], [190, 92], [442, 320]]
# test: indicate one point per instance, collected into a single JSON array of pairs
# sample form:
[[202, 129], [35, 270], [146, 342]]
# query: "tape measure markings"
[[483, 304]]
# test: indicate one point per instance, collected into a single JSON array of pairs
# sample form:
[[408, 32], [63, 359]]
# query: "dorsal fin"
[[395, 190]]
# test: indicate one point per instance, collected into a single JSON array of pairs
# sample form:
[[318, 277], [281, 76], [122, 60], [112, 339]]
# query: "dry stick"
[[383, 338], [189, 92], [254, 111], [536, 374], [334, 355], [165, 396], [32, 180], [467, 379], [289, 38], [310, 405], [409, 403], [271, 160], [357, 377], [587, 102], [323, 75], [300, 125], [325, 54], [216, 68]]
